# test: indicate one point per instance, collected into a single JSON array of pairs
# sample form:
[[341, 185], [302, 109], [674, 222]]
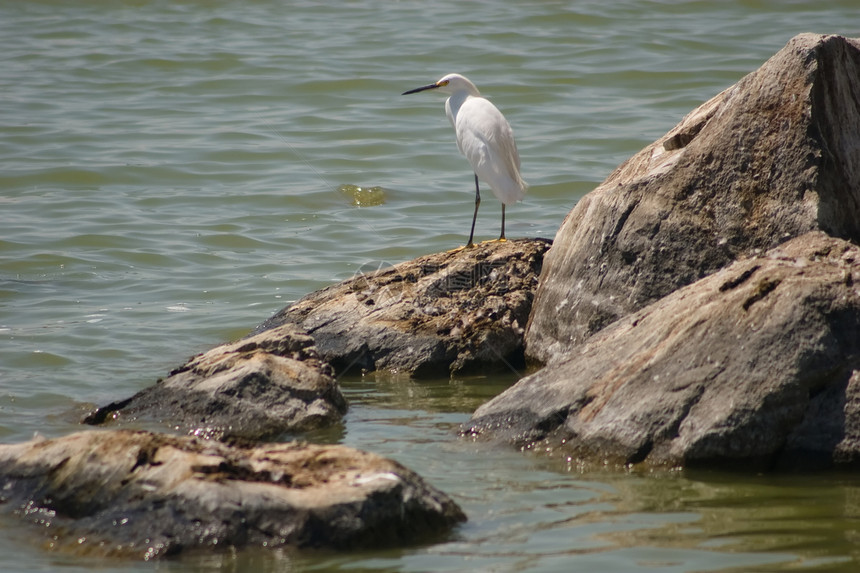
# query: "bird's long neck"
[[454, 103]]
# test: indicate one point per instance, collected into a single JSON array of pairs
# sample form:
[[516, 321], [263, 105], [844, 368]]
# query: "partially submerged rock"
[[455, 312], [256, 388], [757, 364], [149, 495], [772, 157]]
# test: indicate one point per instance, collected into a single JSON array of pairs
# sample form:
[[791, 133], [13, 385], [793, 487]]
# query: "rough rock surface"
[[455, 312], [772, 157], [148, 495], [257, 388], [757, 364]]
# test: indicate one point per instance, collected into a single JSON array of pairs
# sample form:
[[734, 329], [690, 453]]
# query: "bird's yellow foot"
[[464, 247]]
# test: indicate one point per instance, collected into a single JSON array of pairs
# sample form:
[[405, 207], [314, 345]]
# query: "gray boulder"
[[145, 495], [257, 388], [757, 365], [773, 157], [461, 311]]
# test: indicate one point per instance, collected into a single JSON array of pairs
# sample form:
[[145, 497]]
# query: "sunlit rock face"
[[756, 366], [770, 158], [146, 495], [457, 312], [257, 388]]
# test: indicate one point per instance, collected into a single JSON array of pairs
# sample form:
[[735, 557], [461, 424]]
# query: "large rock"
[[772, 157], [257, 388], [460, 311], [148, 495], [757, 364]]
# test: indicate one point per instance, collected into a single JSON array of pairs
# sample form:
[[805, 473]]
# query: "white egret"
[[485, 138]]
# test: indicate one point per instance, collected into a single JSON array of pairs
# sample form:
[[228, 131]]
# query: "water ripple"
[[172, 172]]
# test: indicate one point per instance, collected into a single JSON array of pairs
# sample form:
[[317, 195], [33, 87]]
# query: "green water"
[[172, 173]]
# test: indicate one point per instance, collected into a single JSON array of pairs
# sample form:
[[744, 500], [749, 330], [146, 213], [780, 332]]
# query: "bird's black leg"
[[502, 236], [475, 216]]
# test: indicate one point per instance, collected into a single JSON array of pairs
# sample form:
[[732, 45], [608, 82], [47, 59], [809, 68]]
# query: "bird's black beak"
[[422, 88]]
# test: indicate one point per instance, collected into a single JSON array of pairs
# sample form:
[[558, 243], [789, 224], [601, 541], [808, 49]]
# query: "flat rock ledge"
[[147, 495], [457, 312], [257, 388], [756, 366]]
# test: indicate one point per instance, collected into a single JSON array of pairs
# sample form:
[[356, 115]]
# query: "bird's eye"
[[443, 83]]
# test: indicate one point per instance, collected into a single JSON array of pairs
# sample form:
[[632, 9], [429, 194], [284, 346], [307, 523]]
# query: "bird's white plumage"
[[485, 138]]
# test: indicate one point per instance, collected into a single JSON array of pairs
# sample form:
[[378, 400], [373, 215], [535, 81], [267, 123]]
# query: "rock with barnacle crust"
[[256, 388], [144, 495], [460, 312], [453, 312]]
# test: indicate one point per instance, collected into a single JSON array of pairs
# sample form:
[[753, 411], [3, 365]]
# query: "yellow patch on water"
[[364, 196]]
